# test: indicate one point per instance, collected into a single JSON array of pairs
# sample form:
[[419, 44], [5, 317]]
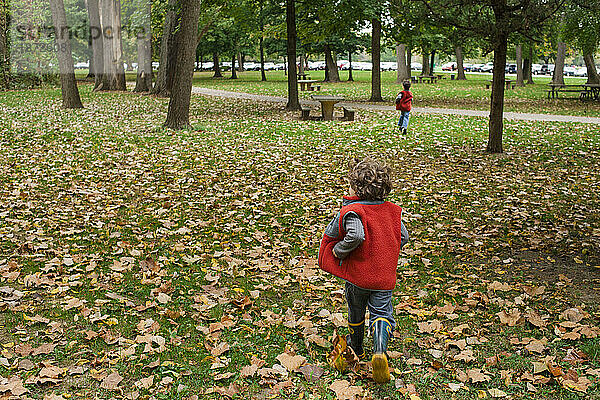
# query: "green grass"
[[244, 197]]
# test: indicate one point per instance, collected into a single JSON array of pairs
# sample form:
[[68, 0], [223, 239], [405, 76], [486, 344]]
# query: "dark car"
[[511, 68]]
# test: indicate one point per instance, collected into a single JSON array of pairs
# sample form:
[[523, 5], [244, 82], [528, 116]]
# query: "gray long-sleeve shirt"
[[355, 233]]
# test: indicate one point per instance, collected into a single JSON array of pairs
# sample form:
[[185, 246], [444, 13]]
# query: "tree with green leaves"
[[293, 102], [582, 27], [495, 21]]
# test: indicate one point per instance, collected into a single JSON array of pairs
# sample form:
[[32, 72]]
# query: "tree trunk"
[[178, 115], [96, 38], [216, 66], [240, 62], [519, 61], [70, 94], [166, 43], [110, 20], [331, 66], [592, 72], [425, 62], [233, 68], [263, 76], [526, 70], [460, 69], [530, 68], [408, 61], [4, 52], [432, 64], [290, 17], [496, 123], [401, 75], [301, 65], [559, 65], [91, 72], [144, 57], [376, 59], [350, 77]]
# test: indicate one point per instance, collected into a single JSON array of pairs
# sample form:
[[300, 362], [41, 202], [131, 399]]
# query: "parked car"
[[580, 71], [547, 69], [467, 67], [343, 64], [569, 71], [450, 66], [81, 65], [511, 68], [476, 67], [388, 66], [488, 67], [536, 68], [206, 66], [416, 66]]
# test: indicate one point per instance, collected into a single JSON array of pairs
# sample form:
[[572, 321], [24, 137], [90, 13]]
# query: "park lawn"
[[178, 264], [469, 94]]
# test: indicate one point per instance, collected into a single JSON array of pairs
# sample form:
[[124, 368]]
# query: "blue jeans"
[[379, 303], [404, 117]]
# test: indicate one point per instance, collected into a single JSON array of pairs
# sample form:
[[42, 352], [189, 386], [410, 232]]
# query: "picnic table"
[[327, 103], [305, 84], [303, 76], [556, 88], [427, 78], [509, 84], [592, 91]]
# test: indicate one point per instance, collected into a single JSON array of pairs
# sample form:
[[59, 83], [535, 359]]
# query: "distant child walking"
[[404, 104], [361, 245]]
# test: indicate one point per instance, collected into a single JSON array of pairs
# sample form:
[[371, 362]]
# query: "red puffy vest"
[[405, 103], [372, 265]]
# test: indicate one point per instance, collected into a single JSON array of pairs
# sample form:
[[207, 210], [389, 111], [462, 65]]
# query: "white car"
[[536, 69], [488, 67], [270, 66], [416, 66], [580, 71], [569, 71], [388, 66]]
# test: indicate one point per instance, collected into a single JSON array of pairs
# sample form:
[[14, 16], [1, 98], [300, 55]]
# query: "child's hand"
[[335, 255]]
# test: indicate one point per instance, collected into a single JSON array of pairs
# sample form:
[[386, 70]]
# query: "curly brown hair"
[[369, 178]]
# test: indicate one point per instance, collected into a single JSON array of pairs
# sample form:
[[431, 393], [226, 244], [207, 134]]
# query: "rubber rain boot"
[[381, 332], [356, 338]]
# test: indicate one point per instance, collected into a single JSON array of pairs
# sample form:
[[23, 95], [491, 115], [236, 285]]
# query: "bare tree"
[[178, 115]]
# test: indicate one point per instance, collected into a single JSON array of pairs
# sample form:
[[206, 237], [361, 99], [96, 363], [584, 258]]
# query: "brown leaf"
[[512, 318], [290, 362], [111, 381], [344, 391], [14, 385], [535, 319], [311, 372], [535, 346], [477, 375], [430, 326]]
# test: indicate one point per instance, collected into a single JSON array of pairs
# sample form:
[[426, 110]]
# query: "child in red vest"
[[361, 245], [404, 104]]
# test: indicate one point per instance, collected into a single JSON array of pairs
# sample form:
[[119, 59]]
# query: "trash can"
[[452, 77]]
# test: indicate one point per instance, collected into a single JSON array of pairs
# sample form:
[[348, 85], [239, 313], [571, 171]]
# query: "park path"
[[424, 110]]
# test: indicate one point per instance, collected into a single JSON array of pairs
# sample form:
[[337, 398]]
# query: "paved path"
[[425, 110]]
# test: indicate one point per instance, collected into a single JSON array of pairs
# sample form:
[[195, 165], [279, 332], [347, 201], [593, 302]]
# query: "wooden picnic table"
[[427, 78], [592, 91], [556, 88], [327, 103], [508, 83], [305, 84]]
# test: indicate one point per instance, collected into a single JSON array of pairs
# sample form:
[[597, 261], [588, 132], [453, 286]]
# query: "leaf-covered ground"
[[141, 263]]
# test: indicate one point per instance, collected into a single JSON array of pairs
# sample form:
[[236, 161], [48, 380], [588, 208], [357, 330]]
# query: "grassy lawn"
[[166, 265], [469, 94]]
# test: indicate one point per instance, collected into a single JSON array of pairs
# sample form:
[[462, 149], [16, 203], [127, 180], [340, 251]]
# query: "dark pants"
[[379, 303]]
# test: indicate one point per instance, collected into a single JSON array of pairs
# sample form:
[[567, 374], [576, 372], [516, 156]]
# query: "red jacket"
[[373, 264], [405, 102]]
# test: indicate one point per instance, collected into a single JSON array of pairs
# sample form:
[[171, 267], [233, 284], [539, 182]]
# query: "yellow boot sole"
[[381, 370]]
